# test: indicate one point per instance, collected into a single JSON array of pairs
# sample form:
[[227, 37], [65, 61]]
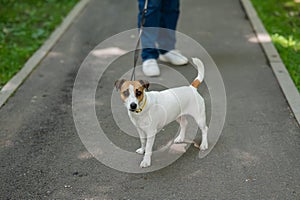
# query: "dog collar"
[[142, 107]]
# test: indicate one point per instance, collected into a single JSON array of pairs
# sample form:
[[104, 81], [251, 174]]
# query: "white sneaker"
[[174, 57], [150, 68]]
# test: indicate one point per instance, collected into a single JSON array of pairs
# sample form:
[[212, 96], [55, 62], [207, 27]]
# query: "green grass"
[[24, 26], [282, 20]]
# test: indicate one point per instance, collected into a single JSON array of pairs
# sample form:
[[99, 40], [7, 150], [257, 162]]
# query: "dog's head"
[[132, 93]]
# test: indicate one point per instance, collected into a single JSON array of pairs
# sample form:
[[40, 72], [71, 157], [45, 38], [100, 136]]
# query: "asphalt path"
[[256, 157]]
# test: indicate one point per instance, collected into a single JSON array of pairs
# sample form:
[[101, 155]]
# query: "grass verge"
[[281, 18], [24, 27]]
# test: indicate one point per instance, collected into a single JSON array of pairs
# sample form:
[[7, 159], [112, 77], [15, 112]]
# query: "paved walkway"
[[256, 157]]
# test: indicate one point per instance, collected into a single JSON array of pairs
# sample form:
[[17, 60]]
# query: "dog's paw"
[[178, 139], [145, 163], [203, 145], [140, 151]]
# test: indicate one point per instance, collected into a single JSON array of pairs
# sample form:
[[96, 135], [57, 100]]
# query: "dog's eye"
[[138, 93], [126, 93]]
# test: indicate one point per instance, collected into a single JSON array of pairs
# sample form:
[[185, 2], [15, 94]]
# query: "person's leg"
[[149, 36], [169, 17], [167, 37]]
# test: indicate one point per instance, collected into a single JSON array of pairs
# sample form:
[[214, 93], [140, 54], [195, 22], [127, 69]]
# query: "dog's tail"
[[200, 67]]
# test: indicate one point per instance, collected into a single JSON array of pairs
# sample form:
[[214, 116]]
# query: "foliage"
[[282, 20], [24, 26]]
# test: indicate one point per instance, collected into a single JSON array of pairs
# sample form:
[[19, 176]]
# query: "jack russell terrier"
[[151, 111]]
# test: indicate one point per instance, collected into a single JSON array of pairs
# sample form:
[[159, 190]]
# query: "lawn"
[[24, 26], [282, 20]]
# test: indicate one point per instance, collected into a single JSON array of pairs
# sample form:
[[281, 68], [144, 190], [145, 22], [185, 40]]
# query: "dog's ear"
[[144, 83], [119, 83]]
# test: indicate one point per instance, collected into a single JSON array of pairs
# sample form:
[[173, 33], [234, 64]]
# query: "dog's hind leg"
[[183, 123], [201, 121], [204, 143]]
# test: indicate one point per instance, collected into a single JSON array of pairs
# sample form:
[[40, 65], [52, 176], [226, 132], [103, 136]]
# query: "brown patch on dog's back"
[[196, 83]]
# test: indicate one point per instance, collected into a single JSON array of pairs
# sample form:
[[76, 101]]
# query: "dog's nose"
[[133, 106]]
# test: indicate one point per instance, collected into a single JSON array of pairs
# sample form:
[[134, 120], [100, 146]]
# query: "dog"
[[151, 111]]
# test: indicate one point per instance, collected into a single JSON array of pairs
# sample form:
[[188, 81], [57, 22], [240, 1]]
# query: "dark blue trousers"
[[160, 14]]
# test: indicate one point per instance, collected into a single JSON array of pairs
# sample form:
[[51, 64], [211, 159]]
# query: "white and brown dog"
[[151, 111]]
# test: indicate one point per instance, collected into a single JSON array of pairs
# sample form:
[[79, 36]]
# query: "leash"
[[136, 51]]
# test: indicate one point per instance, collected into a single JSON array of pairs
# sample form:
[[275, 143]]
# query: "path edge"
[[279, 69], [16, 81]]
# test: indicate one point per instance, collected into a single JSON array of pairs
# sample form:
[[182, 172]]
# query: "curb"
[[286, 83], [13, 84]]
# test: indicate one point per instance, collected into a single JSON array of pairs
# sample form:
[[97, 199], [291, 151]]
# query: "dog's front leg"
[[148, 151], [143, 142]]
